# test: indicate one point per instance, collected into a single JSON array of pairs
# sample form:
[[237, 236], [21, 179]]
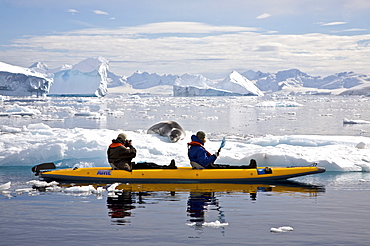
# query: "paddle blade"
[[223, 142]]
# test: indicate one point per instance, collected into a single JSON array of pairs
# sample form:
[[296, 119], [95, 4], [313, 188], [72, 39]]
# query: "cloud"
[[73, 11], [334, 23], [174, 27], [355, 30], [180, 47], [263, 16], [351, 30], [99, 12]]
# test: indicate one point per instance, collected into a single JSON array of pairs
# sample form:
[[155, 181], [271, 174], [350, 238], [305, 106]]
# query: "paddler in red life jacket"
[[121, 152], [199, 157]]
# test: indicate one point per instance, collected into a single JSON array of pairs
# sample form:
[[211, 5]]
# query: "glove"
[[217, 154]]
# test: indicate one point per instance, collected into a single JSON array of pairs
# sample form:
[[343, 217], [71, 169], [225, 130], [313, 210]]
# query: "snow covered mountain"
[[197, 85], [86, 78], [18, 81], [91, 77], [294, 78], [144, 80]]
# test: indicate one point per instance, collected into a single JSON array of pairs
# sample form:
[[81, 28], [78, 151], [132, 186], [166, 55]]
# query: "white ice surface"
[[37, 143]]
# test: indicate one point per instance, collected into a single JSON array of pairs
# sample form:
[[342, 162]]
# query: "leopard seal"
[[170, 129]]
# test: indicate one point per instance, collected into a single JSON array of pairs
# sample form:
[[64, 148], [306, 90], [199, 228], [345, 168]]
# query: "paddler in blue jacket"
[[199, 157]]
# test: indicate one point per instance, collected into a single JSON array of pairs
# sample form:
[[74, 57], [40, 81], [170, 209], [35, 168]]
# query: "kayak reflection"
[[202, 197], [198, 203], [120, 206]]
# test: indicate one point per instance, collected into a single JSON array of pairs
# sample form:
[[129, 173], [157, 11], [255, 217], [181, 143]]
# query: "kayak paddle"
[[222, 145]]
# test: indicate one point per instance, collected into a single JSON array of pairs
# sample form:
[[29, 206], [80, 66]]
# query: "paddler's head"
[[202, 136], [122, 137]]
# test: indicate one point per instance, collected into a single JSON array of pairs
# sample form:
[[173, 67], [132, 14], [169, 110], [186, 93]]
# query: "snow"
[[38, 143]]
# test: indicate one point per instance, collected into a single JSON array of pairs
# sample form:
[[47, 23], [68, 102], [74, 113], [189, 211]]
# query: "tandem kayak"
[[179, 175]]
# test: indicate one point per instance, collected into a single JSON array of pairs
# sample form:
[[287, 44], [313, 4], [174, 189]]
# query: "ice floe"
[[281, 229], [214, 224]]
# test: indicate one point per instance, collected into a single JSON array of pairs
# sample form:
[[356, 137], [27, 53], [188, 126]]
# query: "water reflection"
[[200, 199], [120, 206], [198, 203]]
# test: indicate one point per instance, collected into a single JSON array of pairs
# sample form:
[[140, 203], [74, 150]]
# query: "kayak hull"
[[179, 175]]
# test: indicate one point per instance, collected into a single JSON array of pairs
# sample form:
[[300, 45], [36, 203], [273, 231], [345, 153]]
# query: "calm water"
[[324, 209]]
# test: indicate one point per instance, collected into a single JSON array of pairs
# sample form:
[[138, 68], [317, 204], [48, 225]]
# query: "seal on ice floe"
[[170, 129]]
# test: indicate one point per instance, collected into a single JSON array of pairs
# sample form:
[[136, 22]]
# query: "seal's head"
[[175, 135]]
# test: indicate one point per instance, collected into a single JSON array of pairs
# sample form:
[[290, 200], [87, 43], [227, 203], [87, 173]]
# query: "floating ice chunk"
[[113, 187], [281, 229], [278, 104], [23, 190], [191, 224], [98, 190], [347, 121], [215, 224], [41, 184], [87, 113], [286, 228], [10, 129], [6, 193], [80, 189], [21, 110], [54, 189], [5, 186], [276, 230], [38, 126]]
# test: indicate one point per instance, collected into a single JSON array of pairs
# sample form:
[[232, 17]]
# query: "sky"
[[208, 37]]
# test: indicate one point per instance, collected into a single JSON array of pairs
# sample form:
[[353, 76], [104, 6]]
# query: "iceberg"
[[236, 82], [197, 85], [87, 78], [19, 81]]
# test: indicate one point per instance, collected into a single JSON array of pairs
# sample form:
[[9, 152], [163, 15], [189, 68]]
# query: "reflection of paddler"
[[119, 206], [197, 203]]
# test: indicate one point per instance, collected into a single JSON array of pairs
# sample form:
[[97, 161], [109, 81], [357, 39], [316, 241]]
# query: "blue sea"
[[331, 208]]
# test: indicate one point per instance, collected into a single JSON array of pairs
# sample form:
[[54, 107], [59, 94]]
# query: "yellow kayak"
[[179, 175]]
